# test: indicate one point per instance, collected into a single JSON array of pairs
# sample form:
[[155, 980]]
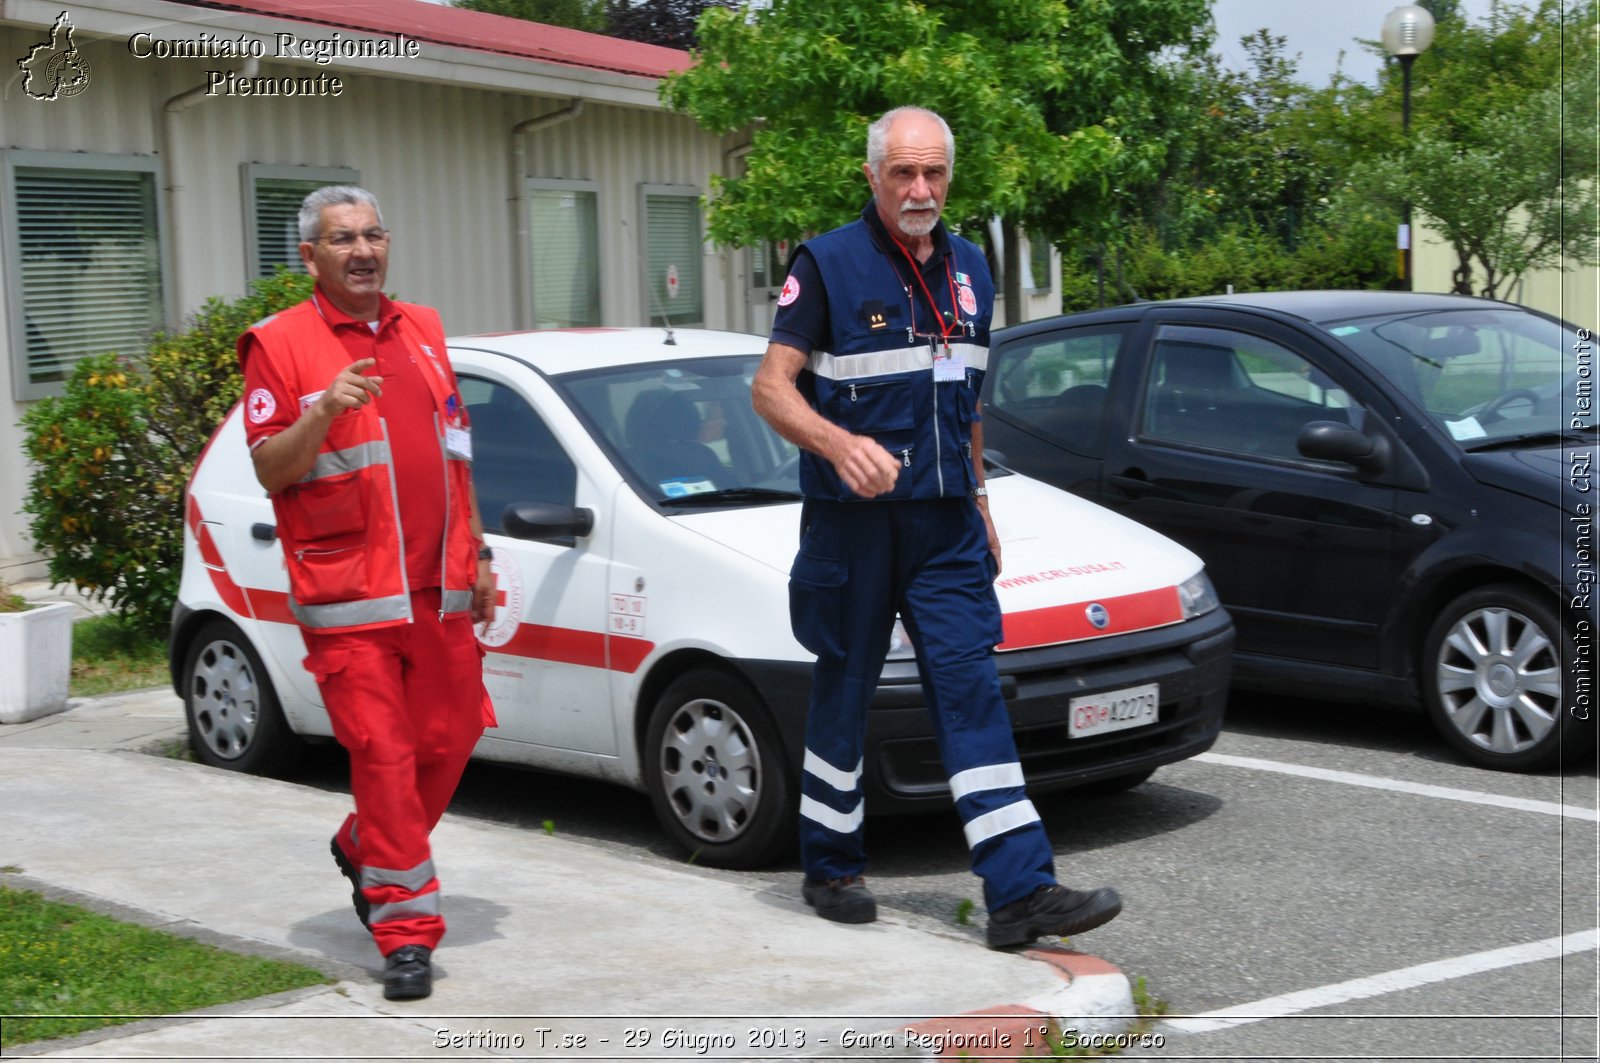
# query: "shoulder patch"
[[261, 406], [791, 291]]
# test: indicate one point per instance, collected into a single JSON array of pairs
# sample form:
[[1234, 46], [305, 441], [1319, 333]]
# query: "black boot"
[[358, 900], [408, 973]]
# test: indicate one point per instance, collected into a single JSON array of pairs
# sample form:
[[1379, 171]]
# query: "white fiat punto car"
[[643, 521]]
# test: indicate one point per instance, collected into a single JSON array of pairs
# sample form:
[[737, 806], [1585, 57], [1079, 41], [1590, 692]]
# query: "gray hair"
[[878, 137], [332, 196]]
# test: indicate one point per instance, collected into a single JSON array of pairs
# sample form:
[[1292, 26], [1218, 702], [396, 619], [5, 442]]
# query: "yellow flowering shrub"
[[111, 456]]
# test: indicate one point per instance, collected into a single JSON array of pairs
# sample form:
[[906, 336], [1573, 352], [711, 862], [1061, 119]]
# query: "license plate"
[[1115, 710]]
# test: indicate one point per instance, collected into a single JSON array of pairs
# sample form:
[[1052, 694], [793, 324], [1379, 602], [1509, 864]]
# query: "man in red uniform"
[[358, 433]]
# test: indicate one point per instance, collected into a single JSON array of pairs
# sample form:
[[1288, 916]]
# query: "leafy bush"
[[111, 457], [1350, 251]]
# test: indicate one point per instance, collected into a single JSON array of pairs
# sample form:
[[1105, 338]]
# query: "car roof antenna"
[[666, 322]]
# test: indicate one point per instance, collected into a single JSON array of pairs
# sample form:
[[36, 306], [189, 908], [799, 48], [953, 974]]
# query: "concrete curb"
[[1094, 999]]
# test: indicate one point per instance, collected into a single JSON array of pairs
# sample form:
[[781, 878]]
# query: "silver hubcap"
[[1499, 678], [226, 699], [711, 770]]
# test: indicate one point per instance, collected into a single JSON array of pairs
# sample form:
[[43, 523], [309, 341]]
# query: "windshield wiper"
[[734, 496], [1528, 439]]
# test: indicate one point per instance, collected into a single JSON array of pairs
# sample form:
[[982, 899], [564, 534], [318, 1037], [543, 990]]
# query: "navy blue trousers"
[[859, 564]]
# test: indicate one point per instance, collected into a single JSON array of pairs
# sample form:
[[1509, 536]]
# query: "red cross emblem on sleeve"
[[261, 405]]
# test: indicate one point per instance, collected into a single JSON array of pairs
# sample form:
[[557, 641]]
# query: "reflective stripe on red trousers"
[[408, 704]]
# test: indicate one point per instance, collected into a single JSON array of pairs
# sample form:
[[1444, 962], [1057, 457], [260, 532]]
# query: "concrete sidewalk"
[[556, 949]]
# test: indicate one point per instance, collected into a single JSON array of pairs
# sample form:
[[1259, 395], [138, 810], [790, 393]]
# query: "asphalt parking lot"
[[1337, 885], [1328, 882]]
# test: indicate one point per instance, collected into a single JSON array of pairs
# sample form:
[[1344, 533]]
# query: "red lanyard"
[[955, 306]]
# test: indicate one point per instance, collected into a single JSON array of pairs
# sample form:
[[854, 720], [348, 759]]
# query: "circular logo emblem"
[[68, 74], [261, 406], [1098, 616], [969, 302], [508, 601], [791, 291]]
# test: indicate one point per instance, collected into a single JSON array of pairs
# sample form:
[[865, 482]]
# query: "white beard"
[[915, 226]]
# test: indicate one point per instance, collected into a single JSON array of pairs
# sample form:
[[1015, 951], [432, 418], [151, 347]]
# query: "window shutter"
[[277, 222], [90, 260], [566, 257], [674, 236]]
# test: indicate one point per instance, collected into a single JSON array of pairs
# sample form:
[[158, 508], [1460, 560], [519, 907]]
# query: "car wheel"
[[1493, 680], [717, 774], [235, 721]]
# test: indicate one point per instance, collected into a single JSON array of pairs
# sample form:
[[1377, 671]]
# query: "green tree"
[[1123, 80], [111, 457], [1252, 160], [669, 23], [1503, 142], [587, 15], [809, 77]]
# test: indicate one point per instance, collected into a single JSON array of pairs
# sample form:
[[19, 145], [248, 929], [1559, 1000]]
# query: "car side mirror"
[[546, 521], [1333, 441]]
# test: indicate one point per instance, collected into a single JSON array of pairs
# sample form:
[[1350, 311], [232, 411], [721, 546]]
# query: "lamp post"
[[1407, 32]]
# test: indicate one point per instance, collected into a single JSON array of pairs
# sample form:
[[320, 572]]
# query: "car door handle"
[[262, 532], [1133, 482]]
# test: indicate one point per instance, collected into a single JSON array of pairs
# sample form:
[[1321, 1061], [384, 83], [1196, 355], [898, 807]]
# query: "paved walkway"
[[556, 949]]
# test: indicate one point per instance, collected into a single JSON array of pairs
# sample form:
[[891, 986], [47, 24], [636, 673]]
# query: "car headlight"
[[1197, 596]]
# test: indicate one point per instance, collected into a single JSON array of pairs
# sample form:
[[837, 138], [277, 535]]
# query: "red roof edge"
[[473, 30]]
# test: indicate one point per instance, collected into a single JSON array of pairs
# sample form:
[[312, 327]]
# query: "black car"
[[1393, 492]]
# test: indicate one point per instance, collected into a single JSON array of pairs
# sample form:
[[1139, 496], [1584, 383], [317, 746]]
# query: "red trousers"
[[408, 703]]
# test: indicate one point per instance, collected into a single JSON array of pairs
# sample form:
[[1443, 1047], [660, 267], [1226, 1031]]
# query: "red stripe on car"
[[1069, 623]]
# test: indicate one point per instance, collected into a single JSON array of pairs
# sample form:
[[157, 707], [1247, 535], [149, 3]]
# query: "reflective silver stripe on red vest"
[[336, 462], [376, 611], [352, 614]]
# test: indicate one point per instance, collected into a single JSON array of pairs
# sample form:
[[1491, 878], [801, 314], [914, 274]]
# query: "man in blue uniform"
[[877, 354]]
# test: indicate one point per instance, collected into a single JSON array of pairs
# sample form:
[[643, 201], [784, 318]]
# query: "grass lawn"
[[107, 657], [64, 970]]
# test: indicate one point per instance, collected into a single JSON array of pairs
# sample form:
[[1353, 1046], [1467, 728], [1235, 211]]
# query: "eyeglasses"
[[344, 240]]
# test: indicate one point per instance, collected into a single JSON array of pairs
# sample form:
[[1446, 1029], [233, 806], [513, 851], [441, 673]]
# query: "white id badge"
[[458, 441], [948, 365]]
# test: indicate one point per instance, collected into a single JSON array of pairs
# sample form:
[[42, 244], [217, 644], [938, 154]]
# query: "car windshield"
[[1488, 377], [685, 431]]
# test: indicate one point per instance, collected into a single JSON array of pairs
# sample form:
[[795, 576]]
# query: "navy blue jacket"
[[853, 301]]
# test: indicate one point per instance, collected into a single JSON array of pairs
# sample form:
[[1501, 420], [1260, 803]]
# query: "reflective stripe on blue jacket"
[[879, 378]]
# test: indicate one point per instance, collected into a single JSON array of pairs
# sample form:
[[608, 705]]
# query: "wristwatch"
[[485, 553], [980, 492]]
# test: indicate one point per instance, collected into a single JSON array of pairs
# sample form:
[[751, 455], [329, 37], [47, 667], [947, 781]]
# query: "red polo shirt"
[[406, 406]]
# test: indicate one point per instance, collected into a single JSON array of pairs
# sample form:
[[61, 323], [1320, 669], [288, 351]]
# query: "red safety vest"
[[339, 522]]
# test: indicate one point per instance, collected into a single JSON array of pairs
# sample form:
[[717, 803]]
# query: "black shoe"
[[408, 973], [1053, 910], [844, 900], [358, 899]]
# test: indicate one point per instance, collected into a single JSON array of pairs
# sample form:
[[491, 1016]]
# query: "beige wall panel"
[[440, 157]]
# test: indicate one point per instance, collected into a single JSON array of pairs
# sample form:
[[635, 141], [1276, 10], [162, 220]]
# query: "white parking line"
[[1388, 982], [1375, 782]]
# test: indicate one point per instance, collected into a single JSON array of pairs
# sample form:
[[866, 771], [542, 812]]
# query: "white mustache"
[[912, 204]]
